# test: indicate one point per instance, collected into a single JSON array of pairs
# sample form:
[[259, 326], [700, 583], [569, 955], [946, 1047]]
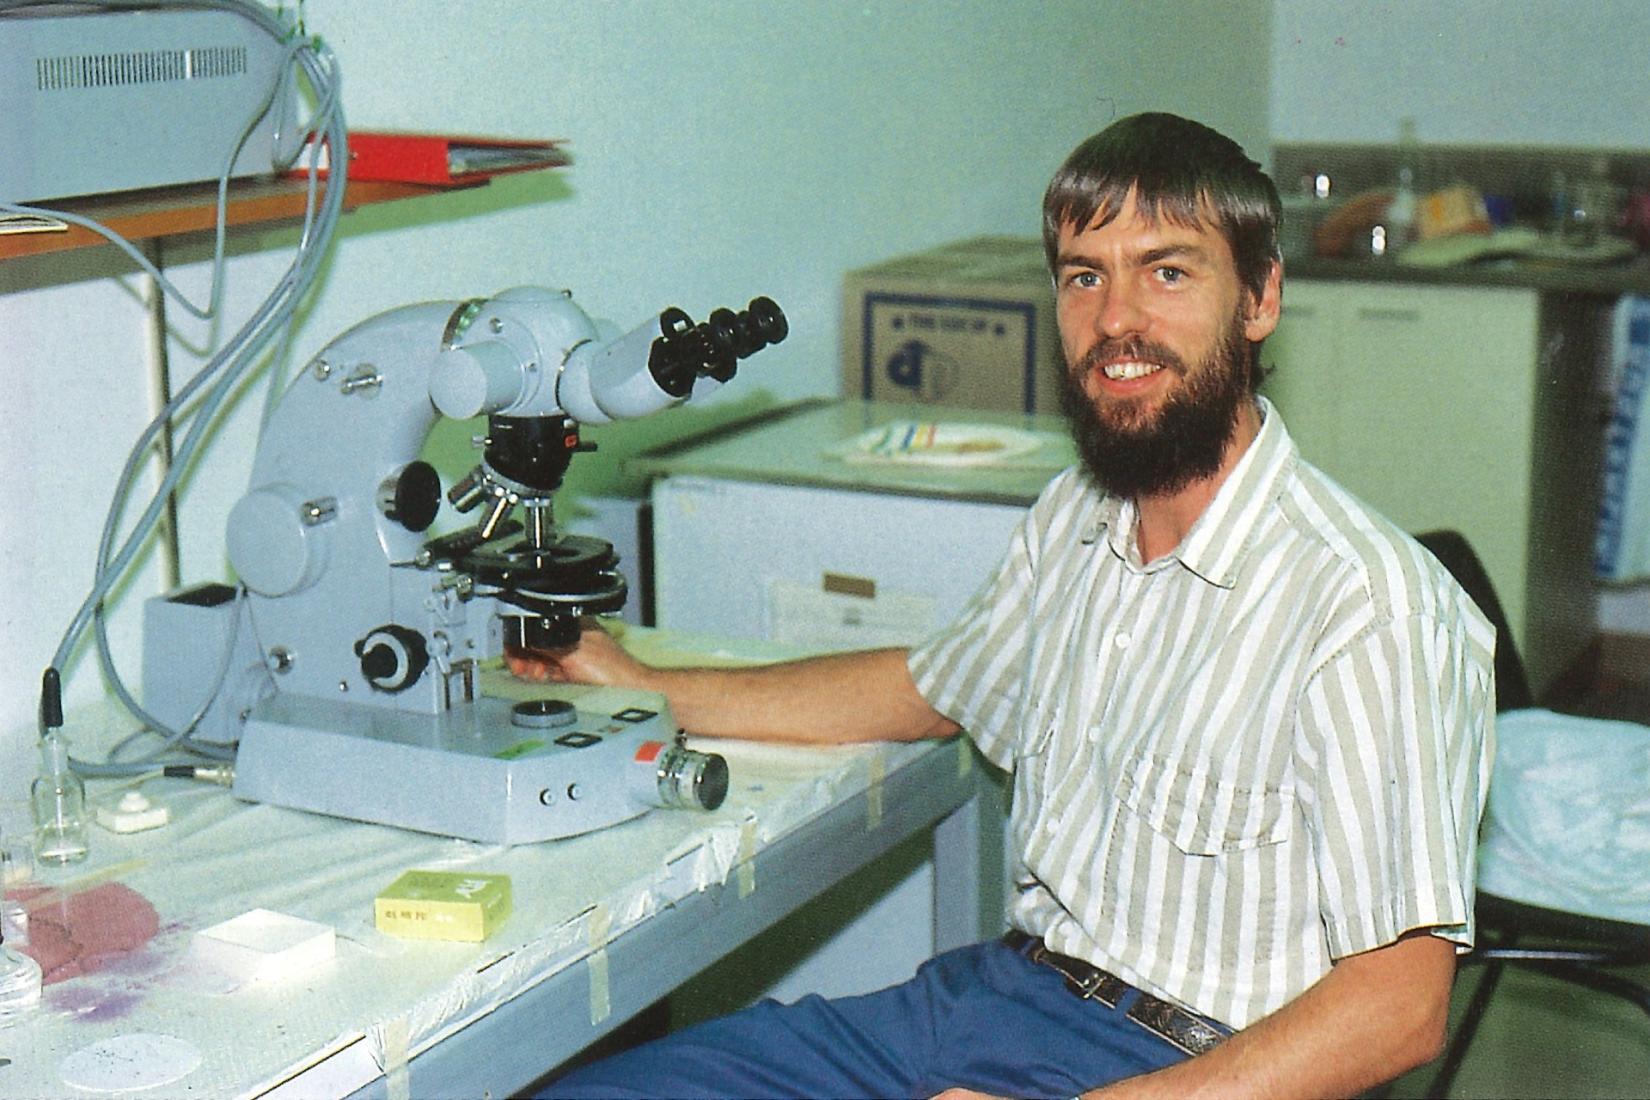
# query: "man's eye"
[[1083, 279], [1170, 275]]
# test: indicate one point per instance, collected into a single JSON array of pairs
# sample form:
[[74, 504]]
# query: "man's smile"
[[1126, 361], [1129, 369]]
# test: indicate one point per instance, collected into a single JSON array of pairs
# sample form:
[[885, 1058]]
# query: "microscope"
[[345, 664]]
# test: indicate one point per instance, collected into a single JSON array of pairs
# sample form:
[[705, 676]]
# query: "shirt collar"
[[1218, 542]]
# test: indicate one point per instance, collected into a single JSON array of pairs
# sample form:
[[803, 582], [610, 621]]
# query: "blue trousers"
[[981, 1017]]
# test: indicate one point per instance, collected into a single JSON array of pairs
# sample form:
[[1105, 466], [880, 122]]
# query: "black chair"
[[1572, 947]]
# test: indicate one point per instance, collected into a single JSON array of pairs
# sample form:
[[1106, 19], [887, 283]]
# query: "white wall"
[[724, 149], [1498, 72]]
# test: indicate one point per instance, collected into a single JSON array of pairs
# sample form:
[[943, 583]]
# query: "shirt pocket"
[[1203, 813]]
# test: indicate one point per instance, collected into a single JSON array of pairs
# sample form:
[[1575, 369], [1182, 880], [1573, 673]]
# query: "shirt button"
[[1122, 641], [1094, 736], [1051, 826]]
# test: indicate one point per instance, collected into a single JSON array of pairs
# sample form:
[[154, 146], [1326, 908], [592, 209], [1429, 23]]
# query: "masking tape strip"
[[873, 793], [965, 757], [397, 1081], [598, 925], [747, 857]]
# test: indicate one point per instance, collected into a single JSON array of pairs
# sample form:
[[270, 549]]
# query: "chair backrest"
[[1512, 686]]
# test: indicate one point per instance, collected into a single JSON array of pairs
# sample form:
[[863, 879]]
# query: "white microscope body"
[[347, 669]]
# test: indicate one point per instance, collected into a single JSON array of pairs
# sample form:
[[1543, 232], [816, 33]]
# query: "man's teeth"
[[1122, 372]]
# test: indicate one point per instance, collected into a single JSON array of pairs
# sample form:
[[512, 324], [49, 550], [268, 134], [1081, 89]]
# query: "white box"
[[261, 944]]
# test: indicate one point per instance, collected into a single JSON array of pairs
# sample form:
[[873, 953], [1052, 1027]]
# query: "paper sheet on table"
[[953, 443]]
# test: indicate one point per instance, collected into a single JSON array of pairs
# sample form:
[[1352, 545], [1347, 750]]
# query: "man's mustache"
[[1130, 348]]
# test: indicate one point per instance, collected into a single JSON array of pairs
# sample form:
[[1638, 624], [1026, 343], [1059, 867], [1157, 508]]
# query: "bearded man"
[[1247, 720]]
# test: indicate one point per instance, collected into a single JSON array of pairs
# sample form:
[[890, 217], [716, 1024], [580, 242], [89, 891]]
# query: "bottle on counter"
[[59, 800], [1403, 212]]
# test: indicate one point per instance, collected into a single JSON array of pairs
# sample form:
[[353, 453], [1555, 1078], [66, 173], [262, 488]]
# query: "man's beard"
[[1132, 453]]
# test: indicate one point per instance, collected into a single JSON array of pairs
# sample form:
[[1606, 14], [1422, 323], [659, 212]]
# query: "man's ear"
[[1261, 315]]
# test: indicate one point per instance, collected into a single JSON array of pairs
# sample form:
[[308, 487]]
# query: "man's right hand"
[[596, 658]]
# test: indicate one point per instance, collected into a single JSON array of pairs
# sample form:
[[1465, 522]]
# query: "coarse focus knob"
[[392, 657]]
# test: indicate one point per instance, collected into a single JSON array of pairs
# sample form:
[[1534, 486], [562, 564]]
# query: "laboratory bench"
[[603, 925], [849, 531]]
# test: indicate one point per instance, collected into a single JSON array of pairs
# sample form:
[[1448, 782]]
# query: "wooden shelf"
[[169, 211]]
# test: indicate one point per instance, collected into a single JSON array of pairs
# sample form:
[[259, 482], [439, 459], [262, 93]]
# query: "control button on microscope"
[[411, 497], [543, 714], [577, 739], [635, 714]]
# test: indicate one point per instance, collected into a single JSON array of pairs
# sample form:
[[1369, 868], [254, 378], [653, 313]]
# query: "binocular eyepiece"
[[686, 351]]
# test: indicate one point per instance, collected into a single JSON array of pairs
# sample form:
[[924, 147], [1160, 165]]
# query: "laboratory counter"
[[1581, 280], [603, 925]]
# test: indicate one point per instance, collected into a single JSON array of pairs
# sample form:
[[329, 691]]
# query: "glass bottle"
[[1403, 214], [58, 797]]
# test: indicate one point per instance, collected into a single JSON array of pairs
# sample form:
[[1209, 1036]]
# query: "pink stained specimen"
[[85, 931]]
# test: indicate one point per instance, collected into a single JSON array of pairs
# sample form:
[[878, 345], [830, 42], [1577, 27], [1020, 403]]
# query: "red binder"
[[445, 160]]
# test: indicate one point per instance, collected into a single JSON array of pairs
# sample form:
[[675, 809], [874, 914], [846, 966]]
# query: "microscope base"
[[471, 772]]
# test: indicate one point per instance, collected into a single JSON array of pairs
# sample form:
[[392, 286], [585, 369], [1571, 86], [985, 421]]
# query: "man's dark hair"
[[1178, 169]]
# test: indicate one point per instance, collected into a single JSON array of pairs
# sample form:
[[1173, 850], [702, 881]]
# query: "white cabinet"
[[1463, 407], [818, 568]]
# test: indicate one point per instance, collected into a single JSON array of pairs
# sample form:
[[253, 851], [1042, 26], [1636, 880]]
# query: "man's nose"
[[1121, 313]]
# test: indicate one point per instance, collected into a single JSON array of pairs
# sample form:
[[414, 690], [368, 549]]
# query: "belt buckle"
[[1094, 987]]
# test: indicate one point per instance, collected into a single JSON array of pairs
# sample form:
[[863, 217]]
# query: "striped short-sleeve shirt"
[[1235, 764]]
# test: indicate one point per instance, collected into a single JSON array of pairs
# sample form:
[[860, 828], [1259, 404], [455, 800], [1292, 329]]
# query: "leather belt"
[[1185, 1030]]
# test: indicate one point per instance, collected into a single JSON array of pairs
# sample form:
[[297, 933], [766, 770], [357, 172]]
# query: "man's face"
[[1155, 327]]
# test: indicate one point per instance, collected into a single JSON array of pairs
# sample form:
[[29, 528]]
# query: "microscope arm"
[[330, 537]]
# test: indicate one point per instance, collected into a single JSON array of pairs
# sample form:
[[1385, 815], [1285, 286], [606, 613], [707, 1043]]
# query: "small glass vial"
[[19, 984], [59, 800]]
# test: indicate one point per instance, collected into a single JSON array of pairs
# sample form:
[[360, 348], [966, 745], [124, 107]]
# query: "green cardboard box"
[[443, 905]]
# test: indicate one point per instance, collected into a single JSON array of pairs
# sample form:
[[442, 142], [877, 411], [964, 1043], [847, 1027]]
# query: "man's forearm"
[[1371, 1018], [864, 696], [824, 700]]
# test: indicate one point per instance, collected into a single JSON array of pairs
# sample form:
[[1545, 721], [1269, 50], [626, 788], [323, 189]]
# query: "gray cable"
[[232, 362], [240, 354]]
